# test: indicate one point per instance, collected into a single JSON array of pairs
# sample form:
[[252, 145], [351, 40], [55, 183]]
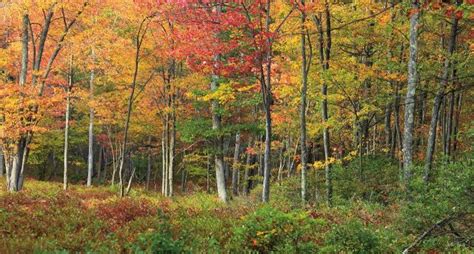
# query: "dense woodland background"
[[214, 126]]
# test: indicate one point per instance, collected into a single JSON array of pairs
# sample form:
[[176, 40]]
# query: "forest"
[[246, 126]]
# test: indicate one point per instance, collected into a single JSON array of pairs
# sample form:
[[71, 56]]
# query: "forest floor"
[[44, 218]]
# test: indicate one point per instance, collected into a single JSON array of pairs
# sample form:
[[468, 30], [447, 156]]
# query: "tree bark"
[[66, 127], [42, 43], [324, 58], [410, 95], [100, 165], [90, 157], [148, 166], [66, 142], [388, 125], [304, 87], [449, 130], [208, 175], [171, 151], [457, 117], [219, 142], [2, 162], [24, 49], [217, 127], [248, 164], [267, 102], [14, 168], [235, 166], [164, 155]]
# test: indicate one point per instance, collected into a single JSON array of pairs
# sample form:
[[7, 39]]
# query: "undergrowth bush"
[[373, 179], [352, 237], [271, 230], [159, 240]]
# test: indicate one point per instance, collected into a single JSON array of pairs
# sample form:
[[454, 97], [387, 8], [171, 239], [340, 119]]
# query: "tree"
[[304, 86], [18, 148], [324, 47], [410, 95], [66, 127]]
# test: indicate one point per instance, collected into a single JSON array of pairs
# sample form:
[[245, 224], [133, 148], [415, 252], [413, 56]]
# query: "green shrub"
[[271, 230], [352, 237], [158, 241], [372, 179]]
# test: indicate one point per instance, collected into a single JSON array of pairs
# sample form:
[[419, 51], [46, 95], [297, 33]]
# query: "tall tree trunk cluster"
[[439, 97], [168, 137], [16, 152], [324, 48]]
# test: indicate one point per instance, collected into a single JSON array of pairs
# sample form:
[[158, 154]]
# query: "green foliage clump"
[[372, 178], [271, 230], [158, 241], [203, 222], [352, 237]]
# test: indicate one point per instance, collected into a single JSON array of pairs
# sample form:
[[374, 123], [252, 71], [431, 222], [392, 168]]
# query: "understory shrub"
[[371, 178], [352, 237], [271, 230], [159, 240]]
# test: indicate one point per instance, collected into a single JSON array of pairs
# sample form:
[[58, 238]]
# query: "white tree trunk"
[[90, 156], [66, 143], [235, 166], [410, 95], [304, 87], [218, 158]]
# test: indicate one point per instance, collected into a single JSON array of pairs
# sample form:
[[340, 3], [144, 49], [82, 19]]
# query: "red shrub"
[[120, 212]]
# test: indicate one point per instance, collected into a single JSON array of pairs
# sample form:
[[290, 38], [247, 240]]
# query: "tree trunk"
[[66, 127], [217, 128], [282, 161], [410, 95], [100, 165], [90, 157], [457, 117], [184, 174], [450, 123], [304, 87], [430, 149], [235, 166], [132, 169], [248, 165], [219, 142], [139, 40], [325, 115], [267, 102], [41, 44], [2, 162], [24, 49], [148, 166], [171, 155], [388, 125], [164, 155], [208, 175], [14, 169]]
